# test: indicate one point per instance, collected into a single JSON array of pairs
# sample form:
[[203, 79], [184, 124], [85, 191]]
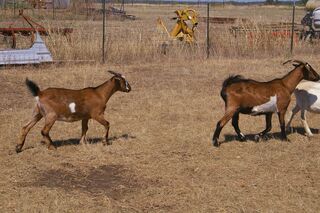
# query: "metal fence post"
[[208, 44], [53, 10], [103, 31], [292, 30], [14, 7]]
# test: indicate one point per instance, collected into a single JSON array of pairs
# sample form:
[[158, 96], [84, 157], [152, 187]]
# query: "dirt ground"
[[161, 159]]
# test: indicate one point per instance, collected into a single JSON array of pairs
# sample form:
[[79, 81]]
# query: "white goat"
[[307, 98]]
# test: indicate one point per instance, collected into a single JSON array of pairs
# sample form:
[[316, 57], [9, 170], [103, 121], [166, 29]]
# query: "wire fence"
[[132, 30]]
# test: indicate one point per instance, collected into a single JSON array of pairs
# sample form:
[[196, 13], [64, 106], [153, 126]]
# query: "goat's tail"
[[33, 87], [230, 80]]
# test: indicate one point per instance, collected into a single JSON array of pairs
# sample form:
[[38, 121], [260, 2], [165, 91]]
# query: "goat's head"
[[309, 73], [123, 84]]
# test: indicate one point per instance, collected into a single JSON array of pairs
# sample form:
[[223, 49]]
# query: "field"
[[161, 159]]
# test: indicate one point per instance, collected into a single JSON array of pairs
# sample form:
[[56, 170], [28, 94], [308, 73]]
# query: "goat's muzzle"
[[128, 88]]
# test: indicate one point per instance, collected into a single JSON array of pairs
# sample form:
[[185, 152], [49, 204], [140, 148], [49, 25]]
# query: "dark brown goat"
[[261, 98], [59, 104]]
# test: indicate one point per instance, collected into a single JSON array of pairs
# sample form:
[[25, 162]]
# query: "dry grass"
[[161, 159]]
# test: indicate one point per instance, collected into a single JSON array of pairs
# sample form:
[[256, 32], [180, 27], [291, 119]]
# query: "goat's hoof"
[[215, 143], [285, 139], [290, 129], [83, 142], [257, 138], [264, 137], [309, 137], [242, 138], [107, 143], [52, 147], [18, 148]]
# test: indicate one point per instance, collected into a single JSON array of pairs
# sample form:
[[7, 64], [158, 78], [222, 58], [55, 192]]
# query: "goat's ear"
[[114, 73]]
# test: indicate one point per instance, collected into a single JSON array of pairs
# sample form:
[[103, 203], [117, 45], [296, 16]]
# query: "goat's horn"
[[114, 73], [297, 61], [286, 62], [300, 62]]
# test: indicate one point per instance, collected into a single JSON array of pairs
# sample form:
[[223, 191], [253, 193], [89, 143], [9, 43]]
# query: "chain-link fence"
[[134, 33]]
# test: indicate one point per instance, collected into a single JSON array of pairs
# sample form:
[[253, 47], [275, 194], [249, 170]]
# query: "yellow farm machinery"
[[181, 31]]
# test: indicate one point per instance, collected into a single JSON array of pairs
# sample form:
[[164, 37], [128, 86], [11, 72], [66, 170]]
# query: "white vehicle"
[[316, 19], [36, 54], [311, 25]]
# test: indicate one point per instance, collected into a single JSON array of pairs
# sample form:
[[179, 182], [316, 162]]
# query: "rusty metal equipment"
[[39, 3], [181, 31], [27, 31], [276, 30], [111, 12], [224, 20]]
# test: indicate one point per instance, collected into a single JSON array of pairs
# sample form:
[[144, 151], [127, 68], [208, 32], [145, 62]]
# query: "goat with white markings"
[[248, 96], [307, 99], [60, 104]]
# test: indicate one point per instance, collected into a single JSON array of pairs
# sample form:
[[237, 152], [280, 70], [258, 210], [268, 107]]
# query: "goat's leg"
[[292, 113], [235, 124], [305, 124], [25, 130], [83, 139], [46, 129], [106, 125], [222, 122], [267, 129], [281, 116]]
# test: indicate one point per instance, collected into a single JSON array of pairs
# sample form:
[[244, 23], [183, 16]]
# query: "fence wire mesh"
[[133, 32]]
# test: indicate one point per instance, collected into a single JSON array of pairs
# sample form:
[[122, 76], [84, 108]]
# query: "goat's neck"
[[107, 89], [292, 79]]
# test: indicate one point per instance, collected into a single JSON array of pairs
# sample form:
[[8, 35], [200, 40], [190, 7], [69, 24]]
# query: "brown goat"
[[248, 96], [59, 104]]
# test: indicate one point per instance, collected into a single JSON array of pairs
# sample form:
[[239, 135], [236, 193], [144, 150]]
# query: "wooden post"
[[292, 30], [208, 44], [103, 31]]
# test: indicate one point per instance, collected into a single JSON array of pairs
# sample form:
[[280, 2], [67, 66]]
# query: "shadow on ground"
[[301, 131], [115, 181], [75, 141], [277, 135], [251, 137]]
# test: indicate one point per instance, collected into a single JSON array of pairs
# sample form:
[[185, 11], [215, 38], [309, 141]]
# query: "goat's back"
[[70, 105], [248, 93]]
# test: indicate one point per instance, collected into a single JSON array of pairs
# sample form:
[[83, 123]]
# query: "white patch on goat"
[[313, 100], [72, 107], [270, 106], [37, 99], [127, 87]]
